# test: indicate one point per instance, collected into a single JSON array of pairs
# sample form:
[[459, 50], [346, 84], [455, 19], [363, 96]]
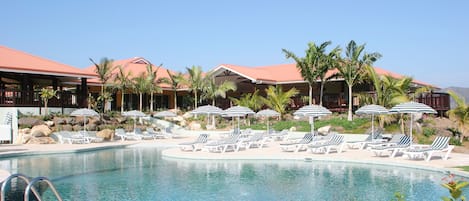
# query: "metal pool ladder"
[[29, 188]]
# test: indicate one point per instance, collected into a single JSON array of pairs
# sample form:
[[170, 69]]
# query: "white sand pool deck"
[[272, 152]]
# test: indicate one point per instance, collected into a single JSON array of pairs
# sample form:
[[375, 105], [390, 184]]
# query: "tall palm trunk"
[[195, 99], [141, 101], [151, 102], [321, 93], [122, 104], [310, 94], [349, 116], [175, 99]]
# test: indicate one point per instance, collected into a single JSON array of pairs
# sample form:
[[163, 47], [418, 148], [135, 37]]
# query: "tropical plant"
[[212, 89], [250, 100], [153, 86], [175, 80], [195, 82], [351, 68], [459, 114], [140, 84], [104, 71], [454, 187], [329, 61], [123, 82], [277, 99], [309, 64], [46, 95]]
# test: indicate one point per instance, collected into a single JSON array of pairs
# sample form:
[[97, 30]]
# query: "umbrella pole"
[[312, 126], [135, 123], [372, 127], [238, 124], [84, 124], [268, 125], [410, 129]]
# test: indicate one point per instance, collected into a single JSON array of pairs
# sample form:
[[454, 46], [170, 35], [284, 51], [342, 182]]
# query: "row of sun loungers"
[[233, 142], [81, 137], [398, 144]]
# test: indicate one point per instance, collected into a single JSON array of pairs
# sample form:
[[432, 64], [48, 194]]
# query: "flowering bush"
[[454, 187]]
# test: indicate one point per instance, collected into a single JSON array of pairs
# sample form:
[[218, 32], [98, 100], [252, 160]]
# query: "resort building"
[[137, 67], [335, 97]]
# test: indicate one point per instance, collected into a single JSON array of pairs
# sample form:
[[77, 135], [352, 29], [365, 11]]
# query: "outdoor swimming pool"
[[142, 174]]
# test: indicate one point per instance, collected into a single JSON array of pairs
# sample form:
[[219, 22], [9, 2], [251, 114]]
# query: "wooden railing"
[[17, 98]]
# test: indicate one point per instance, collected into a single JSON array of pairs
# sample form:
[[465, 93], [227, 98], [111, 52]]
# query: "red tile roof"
[[288, 73], [17, 61], [136, 66]]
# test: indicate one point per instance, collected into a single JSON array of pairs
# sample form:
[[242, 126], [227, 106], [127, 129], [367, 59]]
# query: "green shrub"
[[455, 141], [428, 132]]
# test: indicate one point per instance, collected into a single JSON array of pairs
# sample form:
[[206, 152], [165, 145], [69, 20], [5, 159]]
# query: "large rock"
[[95, 121], [41, 140], [77, 127], [59, 121], [106, 134], [49, 123], [38, 133], [67, 127], [41, 128], [194, 126], [29, 121]]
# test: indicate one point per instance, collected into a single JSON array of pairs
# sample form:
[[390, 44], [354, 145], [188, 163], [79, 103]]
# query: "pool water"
[[141, 173]]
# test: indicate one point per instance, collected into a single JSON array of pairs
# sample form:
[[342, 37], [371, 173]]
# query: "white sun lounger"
[[440, 144], [295, 146], [335, 143], [393, 149], [195, 145]]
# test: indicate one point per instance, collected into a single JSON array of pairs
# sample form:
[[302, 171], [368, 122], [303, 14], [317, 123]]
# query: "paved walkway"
[[273, 151]]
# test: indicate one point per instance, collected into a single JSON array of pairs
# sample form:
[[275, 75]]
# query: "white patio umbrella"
[[312, 111], [165, 114], [208, 110], [372, 109], [412, 108], [84, 112], [134, 114], [267, 113], [237, 111]]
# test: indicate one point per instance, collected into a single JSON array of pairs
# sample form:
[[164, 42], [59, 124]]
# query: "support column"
[[84, 93]]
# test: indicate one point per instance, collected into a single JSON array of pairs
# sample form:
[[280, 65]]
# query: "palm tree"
[[309, 65], [140, 84], [175, 80], [122, 81], [352, 68], [47, 94], [459, 114], [250, 100], [153, 86], [104, 71], [195, 81], [212, 90], [329, 61], [277, 99]]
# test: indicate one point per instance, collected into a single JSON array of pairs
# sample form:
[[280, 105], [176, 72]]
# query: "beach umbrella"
[[84, 112], [312, 111], [267, 113], [237, 111], [134, 114], [372, 109], [166, 113], [208, 110], [412, 108]]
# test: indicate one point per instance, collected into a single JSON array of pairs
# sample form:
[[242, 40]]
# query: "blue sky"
[[427, 40]]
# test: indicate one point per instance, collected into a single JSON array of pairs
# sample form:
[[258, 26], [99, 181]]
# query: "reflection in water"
[[142, 174]]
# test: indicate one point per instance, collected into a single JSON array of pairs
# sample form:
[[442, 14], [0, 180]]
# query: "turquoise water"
[[142, 174]]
